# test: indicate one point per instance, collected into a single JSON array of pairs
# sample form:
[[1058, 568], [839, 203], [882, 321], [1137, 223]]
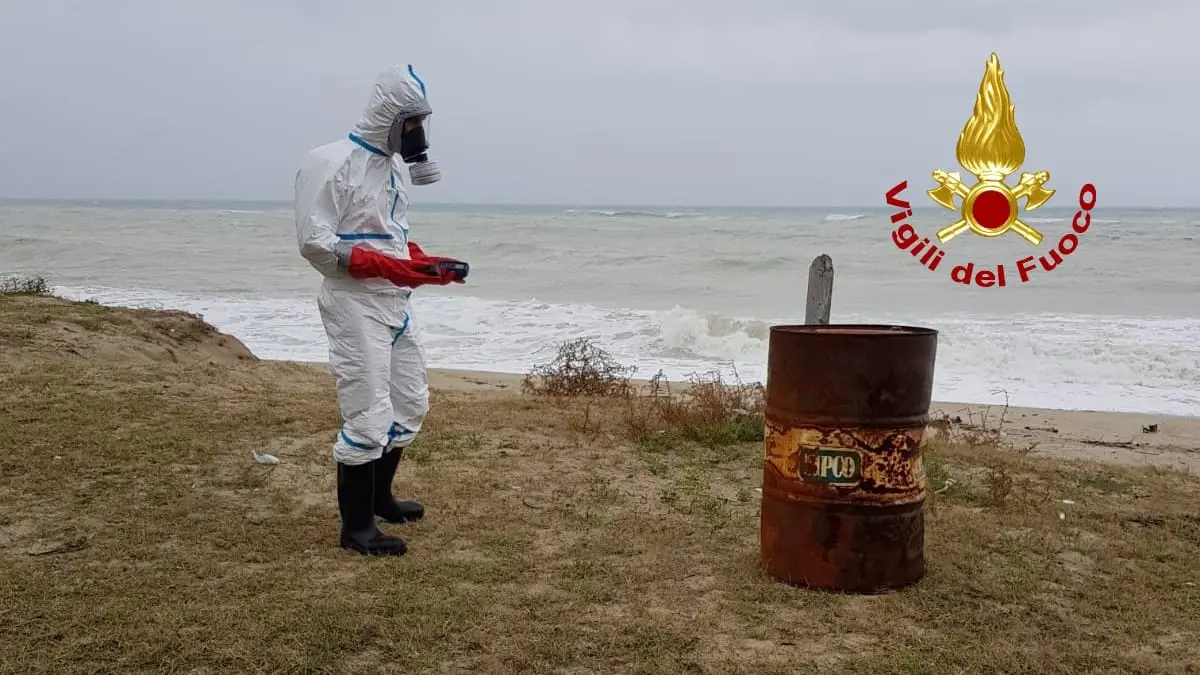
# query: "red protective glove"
[[415, 252], [367, 263], [419, 256]]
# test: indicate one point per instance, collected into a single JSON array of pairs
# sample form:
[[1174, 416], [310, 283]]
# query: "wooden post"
[[820, 291]]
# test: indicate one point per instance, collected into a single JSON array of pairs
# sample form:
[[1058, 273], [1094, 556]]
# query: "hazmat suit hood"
[[399, 95]]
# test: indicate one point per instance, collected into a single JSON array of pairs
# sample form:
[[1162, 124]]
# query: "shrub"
[[22, 285], [706, 410]]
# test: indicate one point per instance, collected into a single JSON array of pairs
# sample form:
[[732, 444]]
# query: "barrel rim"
[[854, 329]]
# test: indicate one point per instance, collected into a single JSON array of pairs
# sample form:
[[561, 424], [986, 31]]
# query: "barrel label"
[[832, 466]]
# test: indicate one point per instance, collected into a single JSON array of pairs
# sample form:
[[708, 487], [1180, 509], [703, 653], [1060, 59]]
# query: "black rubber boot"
[[386, 506], [356, 494]]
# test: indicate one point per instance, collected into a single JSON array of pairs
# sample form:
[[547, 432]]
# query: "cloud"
[[654, 101], [826, 44]]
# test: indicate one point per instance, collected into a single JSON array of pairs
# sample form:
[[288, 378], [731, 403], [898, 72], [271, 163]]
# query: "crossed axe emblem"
[[1030, 187]]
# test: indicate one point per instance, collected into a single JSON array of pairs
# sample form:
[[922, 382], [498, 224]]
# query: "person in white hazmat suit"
[[351, 225]]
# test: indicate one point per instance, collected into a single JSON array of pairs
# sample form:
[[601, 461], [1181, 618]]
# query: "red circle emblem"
[[991, 209]]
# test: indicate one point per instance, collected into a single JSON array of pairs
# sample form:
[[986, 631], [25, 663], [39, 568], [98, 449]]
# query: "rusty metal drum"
[[843, 477]]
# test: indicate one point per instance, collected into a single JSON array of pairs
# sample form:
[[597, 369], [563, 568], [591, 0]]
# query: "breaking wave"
[[634, 214], [1077, 361]]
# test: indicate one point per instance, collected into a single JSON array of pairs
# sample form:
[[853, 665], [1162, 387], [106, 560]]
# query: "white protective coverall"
[[350, 193]]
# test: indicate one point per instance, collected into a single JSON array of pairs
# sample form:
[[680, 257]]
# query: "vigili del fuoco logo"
[[990, 148]]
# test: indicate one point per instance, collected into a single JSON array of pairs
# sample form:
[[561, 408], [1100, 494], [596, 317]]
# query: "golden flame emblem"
[[990, 147]]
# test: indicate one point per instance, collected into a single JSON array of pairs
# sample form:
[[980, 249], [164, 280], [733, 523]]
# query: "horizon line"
[[576, 205]]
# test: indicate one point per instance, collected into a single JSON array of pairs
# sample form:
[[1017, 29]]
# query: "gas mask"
[[408, 138]]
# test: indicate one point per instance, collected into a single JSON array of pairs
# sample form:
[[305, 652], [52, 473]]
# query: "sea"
[[1114, 326]]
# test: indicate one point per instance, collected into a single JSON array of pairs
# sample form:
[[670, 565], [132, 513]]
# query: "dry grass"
[[599, 399], [137, 535]]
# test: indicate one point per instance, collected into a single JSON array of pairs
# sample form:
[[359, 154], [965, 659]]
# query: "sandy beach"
[[139, 533]]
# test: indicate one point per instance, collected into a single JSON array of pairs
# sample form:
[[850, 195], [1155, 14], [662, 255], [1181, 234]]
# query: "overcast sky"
[[757, 102]]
